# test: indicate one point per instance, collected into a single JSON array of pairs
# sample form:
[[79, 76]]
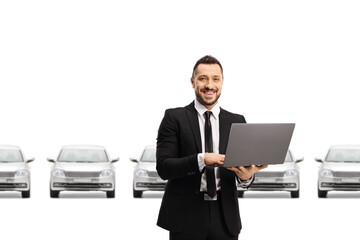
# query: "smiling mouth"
[[209, 92]]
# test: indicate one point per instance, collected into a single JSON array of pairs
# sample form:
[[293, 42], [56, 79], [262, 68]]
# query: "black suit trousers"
[[213, 227]]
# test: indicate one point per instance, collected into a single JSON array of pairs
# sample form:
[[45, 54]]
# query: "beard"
[[205, 102]]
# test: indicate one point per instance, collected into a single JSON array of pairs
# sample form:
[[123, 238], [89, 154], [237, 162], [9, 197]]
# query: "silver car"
[[340, 170], [281, 177], [146, 177], [14, 170], [82, 168]]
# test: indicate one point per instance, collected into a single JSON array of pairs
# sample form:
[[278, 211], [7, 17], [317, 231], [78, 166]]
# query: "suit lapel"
[[225, 125], [194, 124]]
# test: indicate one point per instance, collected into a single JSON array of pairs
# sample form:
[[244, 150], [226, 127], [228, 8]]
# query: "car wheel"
[[25, 194], [295, 194], [110, 194], [54, 194], [137, 194], [240, 194], [322, 194]]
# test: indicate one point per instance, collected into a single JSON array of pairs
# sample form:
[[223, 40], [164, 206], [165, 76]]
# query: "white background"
[[103, 72]]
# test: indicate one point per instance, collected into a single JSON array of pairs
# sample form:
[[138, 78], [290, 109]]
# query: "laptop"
[[258, 143]]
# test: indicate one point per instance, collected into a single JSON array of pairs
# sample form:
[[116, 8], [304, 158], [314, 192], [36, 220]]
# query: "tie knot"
[[208, 114]]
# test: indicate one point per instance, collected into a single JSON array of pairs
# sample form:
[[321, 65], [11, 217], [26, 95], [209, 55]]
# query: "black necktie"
[[210, 172]]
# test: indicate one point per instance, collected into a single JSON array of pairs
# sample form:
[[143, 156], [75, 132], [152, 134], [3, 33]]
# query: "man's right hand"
[[214, 159]]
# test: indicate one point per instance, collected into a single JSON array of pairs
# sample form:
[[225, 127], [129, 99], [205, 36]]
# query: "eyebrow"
[[208, 76]]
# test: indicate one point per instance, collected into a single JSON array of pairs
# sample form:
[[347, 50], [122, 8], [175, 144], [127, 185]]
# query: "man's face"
[[207, 84]]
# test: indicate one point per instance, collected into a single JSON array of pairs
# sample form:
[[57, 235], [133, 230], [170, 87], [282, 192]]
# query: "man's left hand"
[[245, 173]]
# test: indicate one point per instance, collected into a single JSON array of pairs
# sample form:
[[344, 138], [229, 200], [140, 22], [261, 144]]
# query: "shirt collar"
[[201, 109]]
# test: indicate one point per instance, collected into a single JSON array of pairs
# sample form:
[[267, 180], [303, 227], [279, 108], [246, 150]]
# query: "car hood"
[[342, 167], [279, 167], [82, 167], [12, 167], [148, 166]]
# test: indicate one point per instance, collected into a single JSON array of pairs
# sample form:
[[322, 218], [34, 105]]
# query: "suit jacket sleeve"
[[169, 163]]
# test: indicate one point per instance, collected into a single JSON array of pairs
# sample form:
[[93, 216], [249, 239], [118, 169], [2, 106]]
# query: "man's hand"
[[245, 173], [214, 159]]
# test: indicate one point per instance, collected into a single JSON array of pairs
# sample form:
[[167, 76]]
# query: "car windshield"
[[343, 155], [83, 155], [288, 157], [10, 155], [149, 155]]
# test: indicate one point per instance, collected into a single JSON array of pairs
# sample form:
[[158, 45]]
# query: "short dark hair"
[[208, 59]]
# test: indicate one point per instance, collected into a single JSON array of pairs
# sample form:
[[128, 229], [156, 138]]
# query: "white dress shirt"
[[214, 119]]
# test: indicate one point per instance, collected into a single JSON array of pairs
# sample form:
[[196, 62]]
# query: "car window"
[[10, 155], [343, 155], [149, 155], [288, 157], [83, 155]]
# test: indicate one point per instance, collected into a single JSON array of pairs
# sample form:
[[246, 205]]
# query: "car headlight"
[[290, 173], [106, 173], [326, 173], [141, 173], [21, 173], [58, 173]]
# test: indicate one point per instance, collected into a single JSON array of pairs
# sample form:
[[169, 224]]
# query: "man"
[[200, 199]]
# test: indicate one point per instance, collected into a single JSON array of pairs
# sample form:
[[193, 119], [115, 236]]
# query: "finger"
[[234, 169], [262, 167], [242, 169]]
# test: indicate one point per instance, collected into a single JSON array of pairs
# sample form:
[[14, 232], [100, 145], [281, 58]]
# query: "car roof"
[[83, 146], [3, 146], [345, 147]]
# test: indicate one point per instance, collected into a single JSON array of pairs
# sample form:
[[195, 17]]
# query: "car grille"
[[269, 174], [341, 185], [151, 186], [273, 185], [83, 185], [346, 174], [13, 185], [7, 174], [82, 174], [153, 174]]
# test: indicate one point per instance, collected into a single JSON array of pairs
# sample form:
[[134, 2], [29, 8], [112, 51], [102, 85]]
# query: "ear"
[[192, 82]]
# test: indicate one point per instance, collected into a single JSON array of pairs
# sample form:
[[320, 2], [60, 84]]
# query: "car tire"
[[54, 194], [295, 194], [25, 194], [322, 194], [240, 194], [137, 194], [110, 194]]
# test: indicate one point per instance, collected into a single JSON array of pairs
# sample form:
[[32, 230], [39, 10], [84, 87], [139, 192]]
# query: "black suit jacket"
[[178, 145]]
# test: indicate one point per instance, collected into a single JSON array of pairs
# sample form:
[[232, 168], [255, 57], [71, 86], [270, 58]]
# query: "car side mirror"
[[319, 160], [299, 160], [134, 160], [30, 160], [115, 160], [50, 160]]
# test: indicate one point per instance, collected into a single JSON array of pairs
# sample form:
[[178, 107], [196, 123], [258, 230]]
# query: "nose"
[[209, 84]]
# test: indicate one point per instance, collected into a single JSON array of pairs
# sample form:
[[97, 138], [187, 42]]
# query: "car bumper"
[[15, 184], [339, 184], [149, 184], [82, 184], [273, 184]]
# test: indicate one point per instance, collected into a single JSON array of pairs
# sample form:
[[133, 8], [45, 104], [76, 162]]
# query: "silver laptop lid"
[[258, 143]]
